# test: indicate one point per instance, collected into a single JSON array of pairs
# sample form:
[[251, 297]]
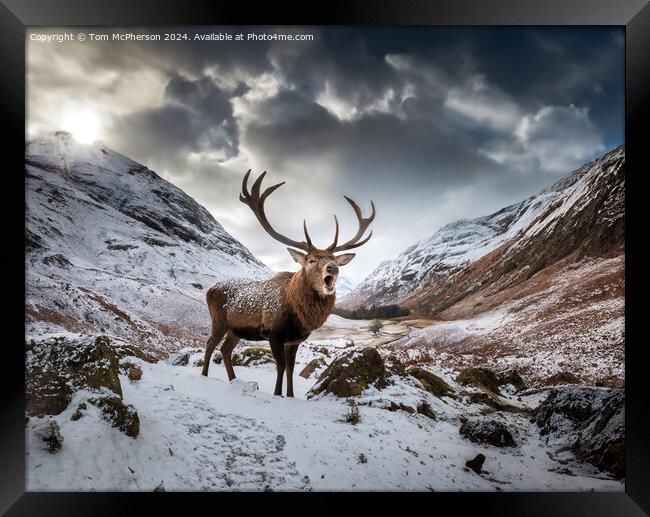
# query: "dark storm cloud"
[[449, 122], [195, 116], [404, 152]]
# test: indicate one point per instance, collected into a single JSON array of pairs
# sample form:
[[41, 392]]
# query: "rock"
[[120, 415], [432, 383], [252, 356], [425, 409], [182, 358], [50, 433], [512, 377], [590, 421], [322, 350], [216, 357], [476, 464], [79, 412], [58, 260], [350, 373], [480, 377], [124, 350], [56, 369], [311, 367], [491, 432], [134, 373], [561, 378]]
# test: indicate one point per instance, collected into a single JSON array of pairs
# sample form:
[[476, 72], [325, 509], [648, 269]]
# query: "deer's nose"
[[332, 269]]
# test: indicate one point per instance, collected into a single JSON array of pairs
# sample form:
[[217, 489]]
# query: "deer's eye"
[[311, 261]]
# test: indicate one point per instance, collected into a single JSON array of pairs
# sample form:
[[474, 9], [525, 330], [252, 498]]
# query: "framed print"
[[398, 250]]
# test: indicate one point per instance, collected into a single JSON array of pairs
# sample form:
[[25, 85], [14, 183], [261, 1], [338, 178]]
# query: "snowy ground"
[[200, 433]]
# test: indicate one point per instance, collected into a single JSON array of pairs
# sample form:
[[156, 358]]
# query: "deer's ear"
[[297, 256], [342, 260]]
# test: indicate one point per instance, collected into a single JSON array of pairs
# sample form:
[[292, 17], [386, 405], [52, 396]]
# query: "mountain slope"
[[112, 247], [539, 286], [581, 214]]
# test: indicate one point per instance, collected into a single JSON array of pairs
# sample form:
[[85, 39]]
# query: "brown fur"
[[310, 307], [302, 307]]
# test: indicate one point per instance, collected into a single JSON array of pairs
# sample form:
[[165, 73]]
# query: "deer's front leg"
[[277, 348], [290, 357]]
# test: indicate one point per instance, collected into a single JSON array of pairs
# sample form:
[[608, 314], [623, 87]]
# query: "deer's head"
[[320, 265]]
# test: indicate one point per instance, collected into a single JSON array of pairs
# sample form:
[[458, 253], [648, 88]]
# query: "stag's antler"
[[256, 204], [363, 226]]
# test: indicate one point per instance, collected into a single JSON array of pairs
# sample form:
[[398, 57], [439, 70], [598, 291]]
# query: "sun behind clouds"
[[83, 125]]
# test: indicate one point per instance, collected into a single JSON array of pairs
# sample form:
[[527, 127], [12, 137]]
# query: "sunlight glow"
[[84, 126]]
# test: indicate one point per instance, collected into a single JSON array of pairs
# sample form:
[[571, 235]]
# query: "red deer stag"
[[286, 308]]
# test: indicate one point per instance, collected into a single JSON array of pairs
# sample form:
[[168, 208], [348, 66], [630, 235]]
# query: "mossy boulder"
[[351, 373], [311, 367], [118, 414], [490, 432], [432, 383], [58, 367], [480, 377], [252, 356]]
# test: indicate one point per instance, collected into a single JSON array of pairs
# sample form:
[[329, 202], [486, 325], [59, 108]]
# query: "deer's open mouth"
[[329, 283]]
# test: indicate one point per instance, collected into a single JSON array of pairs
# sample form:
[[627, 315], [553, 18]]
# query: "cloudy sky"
[[432, 124]]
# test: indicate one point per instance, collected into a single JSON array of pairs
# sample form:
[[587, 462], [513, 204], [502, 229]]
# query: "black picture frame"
[[16, 15]]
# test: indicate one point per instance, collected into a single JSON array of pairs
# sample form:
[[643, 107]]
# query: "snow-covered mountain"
[[582, 212], [344, 286], [112, 247], [539, 286]]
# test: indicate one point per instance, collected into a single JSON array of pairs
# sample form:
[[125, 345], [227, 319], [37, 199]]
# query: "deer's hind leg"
[[218, 331], [228, 346]]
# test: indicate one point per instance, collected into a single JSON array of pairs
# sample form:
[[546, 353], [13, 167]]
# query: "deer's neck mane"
[[311, 308]]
